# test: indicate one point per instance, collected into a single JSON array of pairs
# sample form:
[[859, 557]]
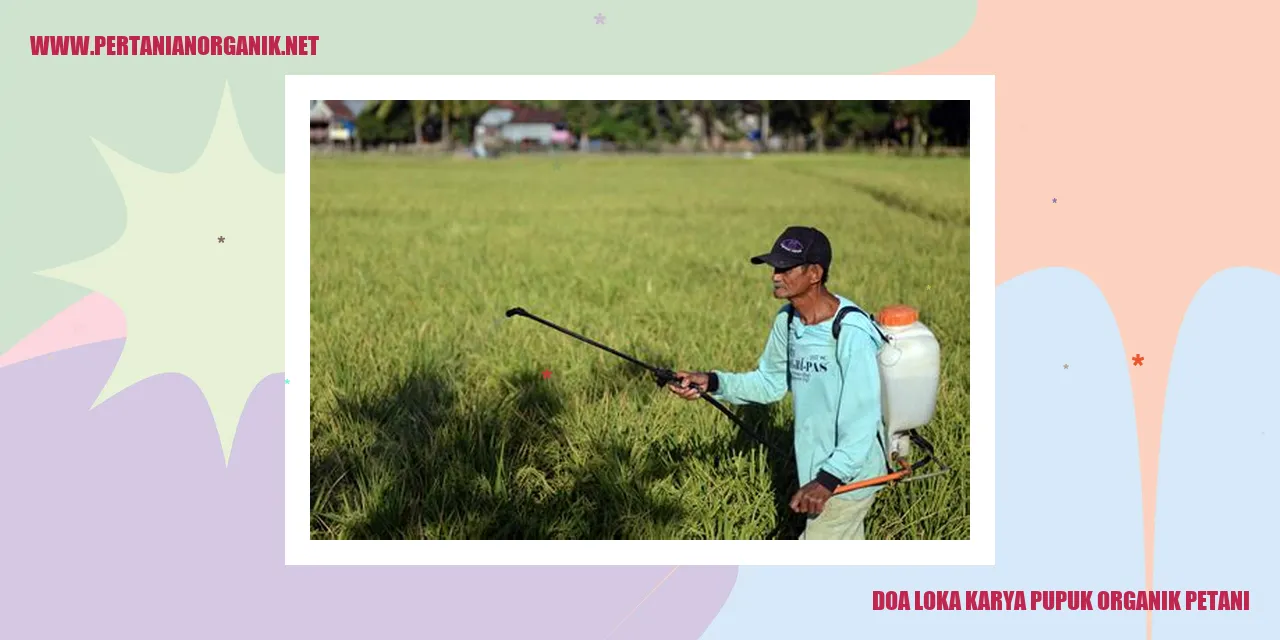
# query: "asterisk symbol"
[[1137, 360], [599, 18], [220, 238]]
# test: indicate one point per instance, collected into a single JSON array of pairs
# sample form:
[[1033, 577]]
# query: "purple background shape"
[[124, 522]]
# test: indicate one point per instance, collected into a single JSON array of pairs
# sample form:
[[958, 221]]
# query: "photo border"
[[300, 549]]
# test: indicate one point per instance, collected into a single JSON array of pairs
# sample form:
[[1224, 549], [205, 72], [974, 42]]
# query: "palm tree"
[[708, 111], [821, 113], [452, 111], [382, 109], [655, 108], [446, 109], [582, 116], [916, 112]]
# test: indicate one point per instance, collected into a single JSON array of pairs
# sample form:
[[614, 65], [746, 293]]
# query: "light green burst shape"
[[213, 311]]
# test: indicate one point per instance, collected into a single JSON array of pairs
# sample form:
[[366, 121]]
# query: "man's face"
[[789, 283]]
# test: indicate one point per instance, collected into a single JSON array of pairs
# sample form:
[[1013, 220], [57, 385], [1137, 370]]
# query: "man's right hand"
[[685, 385]]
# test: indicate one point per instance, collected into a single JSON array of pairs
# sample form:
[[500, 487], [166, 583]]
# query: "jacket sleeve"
[[858, 415], [768, 383]]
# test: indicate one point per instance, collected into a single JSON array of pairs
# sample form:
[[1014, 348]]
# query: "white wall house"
[[332, 121], [515, 124]]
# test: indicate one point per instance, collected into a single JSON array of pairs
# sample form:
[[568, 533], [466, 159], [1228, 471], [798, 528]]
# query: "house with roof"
[[332, 121], [518, 124]]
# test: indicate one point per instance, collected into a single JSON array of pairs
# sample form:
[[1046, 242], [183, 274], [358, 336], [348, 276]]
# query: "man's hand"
[[811, 498], [685, 379]]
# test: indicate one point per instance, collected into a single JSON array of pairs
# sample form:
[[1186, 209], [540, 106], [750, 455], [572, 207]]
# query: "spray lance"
[[665, 377]]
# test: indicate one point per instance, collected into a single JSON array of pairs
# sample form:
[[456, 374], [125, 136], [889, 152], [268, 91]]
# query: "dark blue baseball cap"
[[797, 246]]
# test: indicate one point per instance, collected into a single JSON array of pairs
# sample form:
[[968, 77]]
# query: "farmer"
[[836, 386]]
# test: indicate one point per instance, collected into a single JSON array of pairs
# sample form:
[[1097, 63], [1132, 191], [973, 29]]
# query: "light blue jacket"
[[836, 397]]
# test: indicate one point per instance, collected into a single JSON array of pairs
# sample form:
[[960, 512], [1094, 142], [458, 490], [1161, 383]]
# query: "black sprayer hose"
[[664, 376]]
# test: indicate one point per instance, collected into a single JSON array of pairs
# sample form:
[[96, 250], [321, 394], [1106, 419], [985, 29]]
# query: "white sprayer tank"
[[909, 366]]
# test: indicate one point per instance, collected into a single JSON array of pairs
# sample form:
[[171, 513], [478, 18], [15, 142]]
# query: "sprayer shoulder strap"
[[791, 314], [835, 326]]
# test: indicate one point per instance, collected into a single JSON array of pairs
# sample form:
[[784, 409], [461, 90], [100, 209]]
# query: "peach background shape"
[[1136, 116]]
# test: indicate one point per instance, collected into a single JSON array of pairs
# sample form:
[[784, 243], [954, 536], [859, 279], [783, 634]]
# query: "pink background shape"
[[91, 319]]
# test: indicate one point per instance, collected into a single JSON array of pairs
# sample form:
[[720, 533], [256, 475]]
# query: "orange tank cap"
[[898, 315]]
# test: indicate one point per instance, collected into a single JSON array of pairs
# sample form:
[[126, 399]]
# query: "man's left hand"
[[811, 498]]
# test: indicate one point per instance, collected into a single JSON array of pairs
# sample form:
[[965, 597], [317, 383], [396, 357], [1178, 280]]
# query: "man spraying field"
[[827, 357]]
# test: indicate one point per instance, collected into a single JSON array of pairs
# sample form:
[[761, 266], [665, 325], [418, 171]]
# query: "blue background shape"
[[1216, 506]]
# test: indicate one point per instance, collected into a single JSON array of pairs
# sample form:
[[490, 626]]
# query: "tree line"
[[815, 125]]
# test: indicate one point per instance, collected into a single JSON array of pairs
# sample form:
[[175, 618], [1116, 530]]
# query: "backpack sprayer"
[[910, 363], [909, 366]]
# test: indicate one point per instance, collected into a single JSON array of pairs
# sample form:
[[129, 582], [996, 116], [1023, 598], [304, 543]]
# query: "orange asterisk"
[[1137, 360]]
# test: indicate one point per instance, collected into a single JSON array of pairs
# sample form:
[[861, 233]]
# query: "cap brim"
[[777, 261]]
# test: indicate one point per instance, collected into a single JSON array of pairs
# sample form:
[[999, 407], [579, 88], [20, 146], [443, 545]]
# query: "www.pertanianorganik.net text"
[[174, 45]]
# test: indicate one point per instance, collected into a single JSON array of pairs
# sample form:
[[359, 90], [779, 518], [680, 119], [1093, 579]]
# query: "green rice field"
[[431, 413]]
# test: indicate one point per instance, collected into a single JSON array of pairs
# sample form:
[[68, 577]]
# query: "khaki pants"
[[841, 519]]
